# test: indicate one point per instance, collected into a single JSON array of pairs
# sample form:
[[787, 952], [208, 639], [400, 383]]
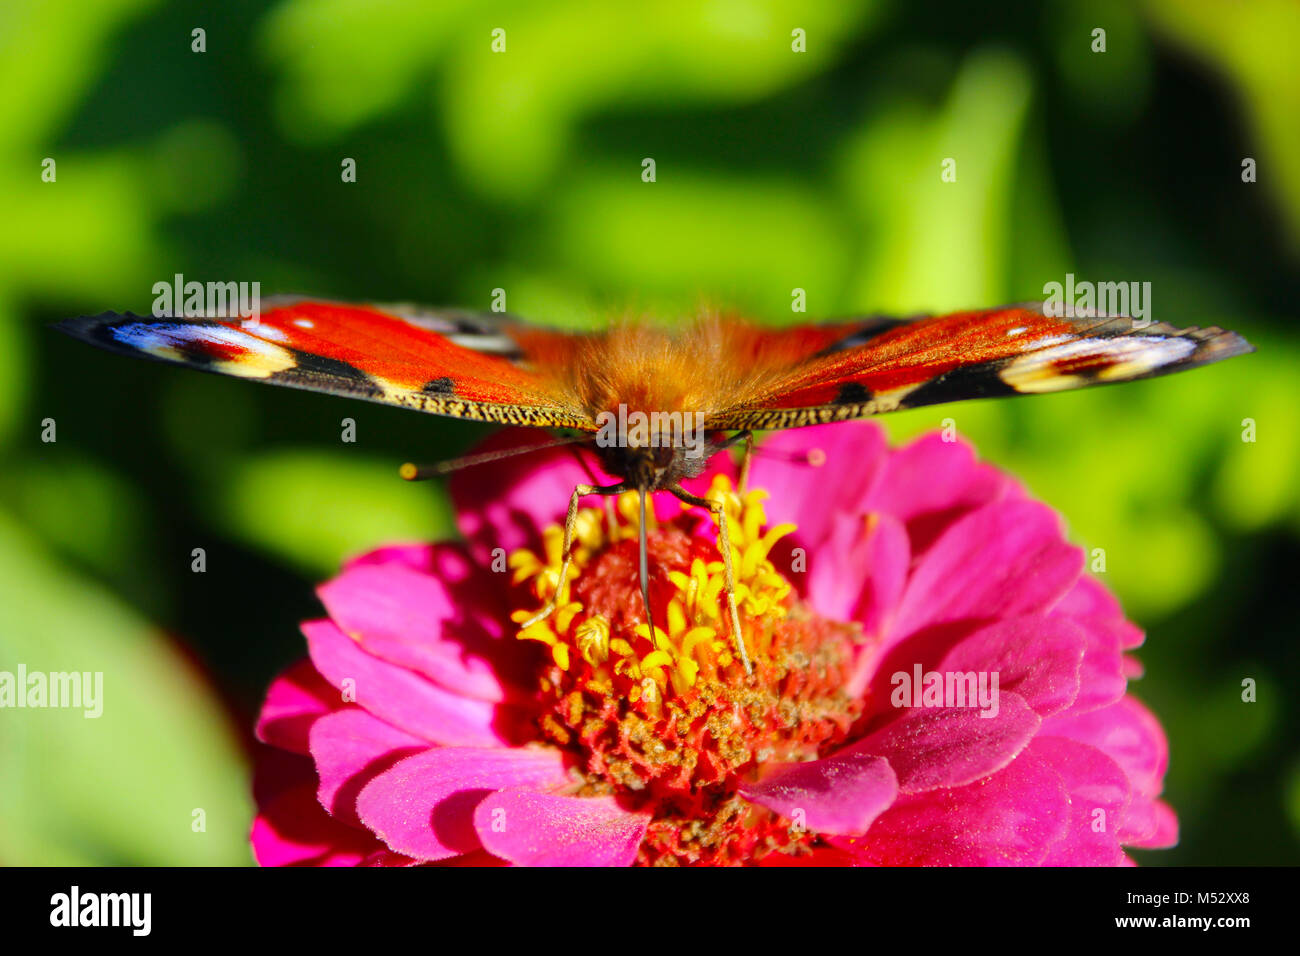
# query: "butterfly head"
[[653, 467]]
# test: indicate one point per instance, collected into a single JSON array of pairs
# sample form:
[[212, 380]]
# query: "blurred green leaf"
[[1253, 42], [1115, 82], [52, 49], [314, 509], [120, 788], [14, 371], [687, 238], [510, 114], [83, 509], [939, 244]]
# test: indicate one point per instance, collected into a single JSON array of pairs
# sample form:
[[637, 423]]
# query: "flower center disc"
[[670, 722]]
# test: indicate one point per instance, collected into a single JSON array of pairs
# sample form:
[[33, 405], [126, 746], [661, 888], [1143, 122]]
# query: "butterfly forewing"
[[464, 365], [883, 365]]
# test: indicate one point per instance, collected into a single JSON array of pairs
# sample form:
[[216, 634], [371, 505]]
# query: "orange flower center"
[[670, 721]]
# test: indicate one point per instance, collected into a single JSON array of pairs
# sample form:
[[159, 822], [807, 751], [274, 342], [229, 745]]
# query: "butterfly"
[[656, 404]]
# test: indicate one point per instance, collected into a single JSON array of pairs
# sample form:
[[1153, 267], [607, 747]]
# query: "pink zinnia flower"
[[422, 729]]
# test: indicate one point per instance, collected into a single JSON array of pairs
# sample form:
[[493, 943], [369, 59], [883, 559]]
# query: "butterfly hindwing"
[[882, 365], [465, 365]]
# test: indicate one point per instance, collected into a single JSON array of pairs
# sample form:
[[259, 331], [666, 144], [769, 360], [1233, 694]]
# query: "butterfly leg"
[[747, 439], [745, 458], [724, 545], [570, 521]]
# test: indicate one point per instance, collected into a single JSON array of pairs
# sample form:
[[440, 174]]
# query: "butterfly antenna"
[[645, 569], [413, 472], [812, 458]]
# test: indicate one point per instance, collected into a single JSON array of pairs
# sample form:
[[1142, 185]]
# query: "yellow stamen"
[[592, 639], [667, 663]]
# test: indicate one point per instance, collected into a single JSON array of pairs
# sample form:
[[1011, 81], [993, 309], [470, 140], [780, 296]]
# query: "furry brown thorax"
[[708, 365]]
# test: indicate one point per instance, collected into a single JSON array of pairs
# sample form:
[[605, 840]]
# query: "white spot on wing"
[[489, 344], [1119, 359], [180, 342], [269, 332]]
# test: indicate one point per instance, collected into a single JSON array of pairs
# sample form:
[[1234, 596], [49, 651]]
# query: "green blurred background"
[[521, 170]]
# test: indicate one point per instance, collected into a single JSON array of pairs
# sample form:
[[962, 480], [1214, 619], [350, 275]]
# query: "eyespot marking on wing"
[[225, 349], [1070, 364]]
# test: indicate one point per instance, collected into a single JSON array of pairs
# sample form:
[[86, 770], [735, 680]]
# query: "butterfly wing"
[[461, 364], [881, 365]]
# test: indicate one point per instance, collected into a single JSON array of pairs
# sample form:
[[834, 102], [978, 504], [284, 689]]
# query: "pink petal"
[[880, 556], [930, 483], [951, 746], [1148, 823], [1101, 678], [448, 561], [544, 829], [294, 830], [1165, 832], [930, 475], [1139, 823], [1009, 819], [1099, 794], [840, 794], [1002, 560], [476, 859], [410, 619], [399, 696], [418, 556], [294, 701], [423, 806], [1131, 635], [388, 858], [850, 455], [1131, 736], [351, 747], [1090, 600], [1038, 657], [506, 507], [1126, 732], [875, 547], [275, 771]]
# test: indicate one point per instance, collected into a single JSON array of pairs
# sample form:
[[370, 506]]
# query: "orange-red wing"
[[881, 365], [466, 365]]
